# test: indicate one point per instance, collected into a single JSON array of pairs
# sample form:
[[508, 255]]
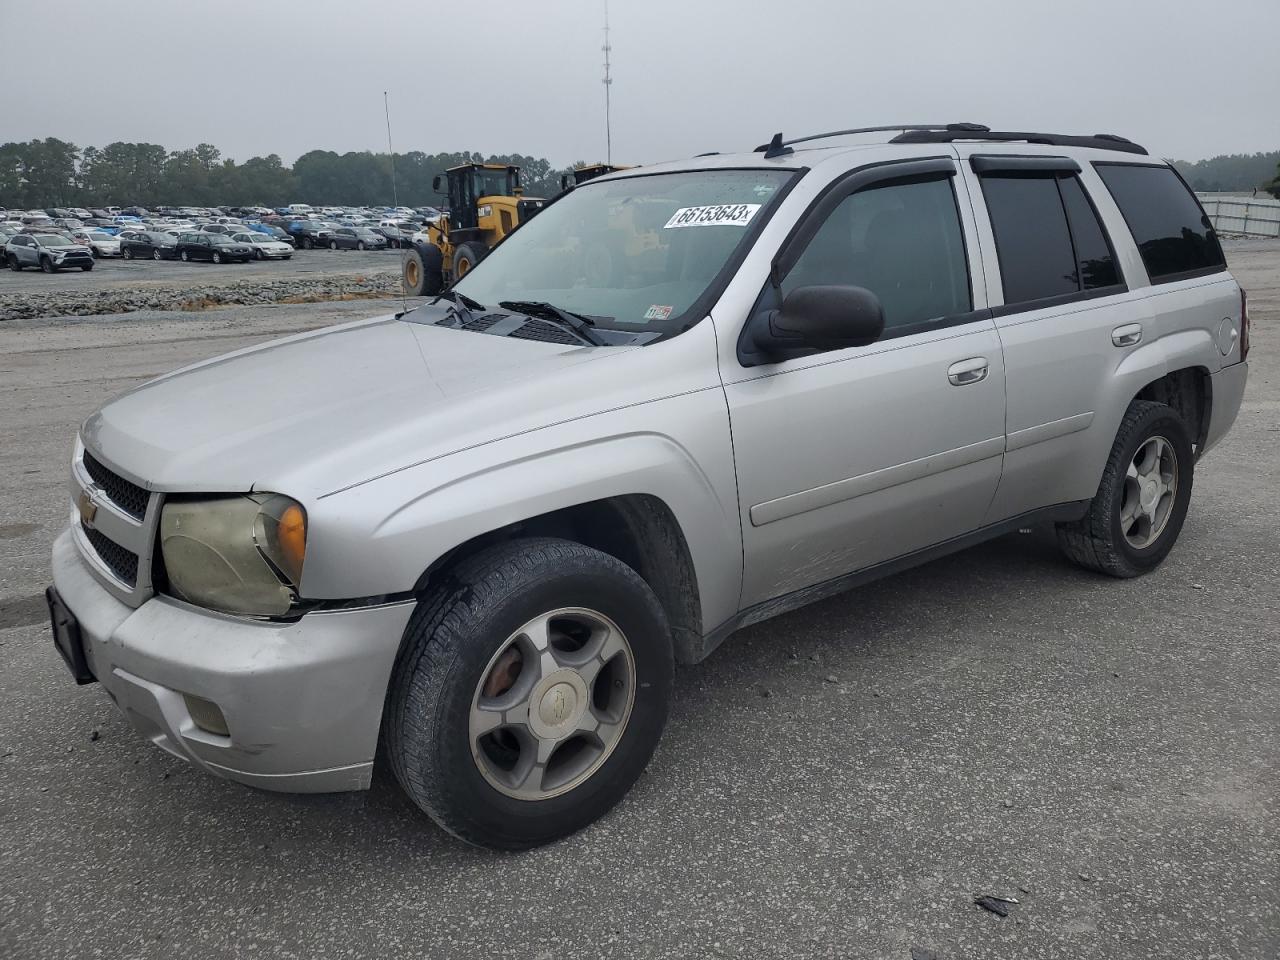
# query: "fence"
[[1246, 216]]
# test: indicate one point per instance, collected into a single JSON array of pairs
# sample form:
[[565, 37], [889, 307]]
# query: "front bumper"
[[303, 700], [1227, 387]]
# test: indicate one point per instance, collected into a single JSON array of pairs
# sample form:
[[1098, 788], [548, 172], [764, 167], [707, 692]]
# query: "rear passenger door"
[[849, 458], [1065, 317]]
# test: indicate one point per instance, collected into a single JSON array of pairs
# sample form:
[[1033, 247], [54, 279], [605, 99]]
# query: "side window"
[[901, 241], [1173, 235], [1094, 255], [1033, 243]]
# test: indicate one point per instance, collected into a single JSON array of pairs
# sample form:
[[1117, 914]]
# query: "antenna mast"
[[608, 82]]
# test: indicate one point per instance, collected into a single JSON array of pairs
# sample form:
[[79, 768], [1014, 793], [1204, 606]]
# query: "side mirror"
[[435, 183], [821, 318]]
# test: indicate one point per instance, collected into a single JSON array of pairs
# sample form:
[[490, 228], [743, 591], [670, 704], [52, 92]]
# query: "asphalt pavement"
[[841, 781]]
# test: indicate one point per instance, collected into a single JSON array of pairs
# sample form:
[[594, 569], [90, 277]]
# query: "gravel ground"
[[841, 781], [118, 286]]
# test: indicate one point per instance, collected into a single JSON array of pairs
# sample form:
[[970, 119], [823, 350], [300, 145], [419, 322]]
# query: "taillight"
[[1244, 325]]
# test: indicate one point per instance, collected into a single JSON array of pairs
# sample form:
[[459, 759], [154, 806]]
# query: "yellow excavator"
[[486, 203]]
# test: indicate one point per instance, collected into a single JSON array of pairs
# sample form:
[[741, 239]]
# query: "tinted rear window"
[[1173, 235], [1097, 263], [1033, 243]]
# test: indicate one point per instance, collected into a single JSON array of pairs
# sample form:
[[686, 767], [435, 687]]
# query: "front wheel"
[[307, 245], [257, 254], [1136, 515], [126, 253], [531, 688], [360, 245], [217, 257], [87, 267], [186, 258], [155, 255], [14, 265], [46, 265], [333, 244]]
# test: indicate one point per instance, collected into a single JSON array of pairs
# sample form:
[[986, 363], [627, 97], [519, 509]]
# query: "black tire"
[[448, 645], [360, 245], [184, 257], [157, 256], [14, 265], [307, 244], [424, 271], [1097, 541], [87, 267], [217, 257], [257, 254], [466, 257], [333, 244], [47, 265], [93, 252], [126, 254]]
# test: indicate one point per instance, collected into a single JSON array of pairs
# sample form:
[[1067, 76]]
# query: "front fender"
[[379, 537]]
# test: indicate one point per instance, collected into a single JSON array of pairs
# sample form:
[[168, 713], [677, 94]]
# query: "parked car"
[[222, 228], [309, 233], [485, 528], [212, 246], [100, 244], [48, 251], [265, 247], [148, 244], [271, 230], [357, 238]]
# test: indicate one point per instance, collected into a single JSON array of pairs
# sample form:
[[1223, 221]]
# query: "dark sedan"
[[309, 233], [147, 244], [212, 246], [357, 238]]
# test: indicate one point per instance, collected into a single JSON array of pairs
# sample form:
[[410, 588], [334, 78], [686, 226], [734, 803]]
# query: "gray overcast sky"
[[1187, 79]]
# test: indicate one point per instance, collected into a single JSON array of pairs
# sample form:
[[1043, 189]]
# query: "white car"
[[265, 247]]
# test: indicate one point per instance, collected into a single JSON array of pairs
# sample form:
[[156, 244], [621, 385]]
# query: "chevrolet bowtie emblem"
[[88, 509]]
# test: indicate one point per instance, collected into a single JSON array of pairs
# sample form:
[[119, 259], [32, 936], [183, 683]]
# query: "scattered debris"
[[1024, 889], [1006, 803], [765, 692], [992, 905], [95, 735], [920, 953], [1197, 586], [1006, 899], [1086, 877], [832, 678]]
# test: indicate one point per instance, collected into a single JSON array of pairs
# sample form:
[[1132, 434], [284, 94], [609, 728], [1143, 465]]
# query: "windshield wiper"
[[461, 306], [577, 323]]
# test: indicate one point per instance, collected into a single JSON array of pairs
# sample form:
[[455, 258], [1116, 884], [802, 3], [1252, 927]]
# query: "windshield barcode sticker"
[[718, 215]]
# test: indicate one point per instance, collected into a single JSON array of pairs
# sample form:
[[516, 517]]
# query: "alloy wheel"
[[552, 704], [1150, 488]]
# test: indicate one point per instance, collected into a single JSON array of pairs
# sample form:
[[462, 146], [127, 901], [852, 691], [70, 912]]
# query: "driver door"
[[854, 457]]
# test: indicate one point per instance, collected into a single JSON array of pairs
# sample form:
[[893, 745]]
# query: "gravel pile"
[[60, 303]]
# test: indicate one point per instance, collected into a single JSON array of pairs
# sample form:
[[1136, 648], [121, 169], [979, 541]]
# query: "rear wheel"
[[14, 265], [359, 244], [465, 259], [530, 691], [257, 254], [333, 244], [186, 258], [126, 253], [424, 271], [87, 267], [1136, 515], [307, 244]]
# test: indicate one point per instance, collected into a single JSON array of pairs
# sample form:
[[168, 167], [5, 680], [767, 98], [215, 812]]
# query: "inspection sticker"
[[717, 215], [657, 312]]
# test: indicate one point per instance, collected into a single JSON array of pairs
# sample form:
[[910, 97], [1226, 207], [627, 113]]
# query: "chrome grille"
[[123, 563], [129, 497]]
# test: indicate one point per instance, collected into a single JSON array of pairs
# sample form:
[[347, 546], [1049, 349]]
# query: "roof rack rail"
[[1099, 141], [776, 147]]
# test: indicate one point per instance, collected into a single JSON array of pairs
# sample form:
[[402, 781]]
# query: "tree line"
[[1234, 172], [55, 173]]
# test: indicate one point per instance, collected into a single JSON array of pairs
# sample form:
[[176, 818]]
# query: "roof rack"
[[778, 147], [1099, 141]]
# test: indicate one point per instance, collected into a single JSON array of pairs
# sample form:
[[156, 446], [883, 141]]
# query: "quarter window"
[[1173, 235], [903, 242]]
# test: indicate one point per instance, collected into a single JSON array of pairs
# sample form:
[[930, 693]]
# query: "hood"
[[320, 411]]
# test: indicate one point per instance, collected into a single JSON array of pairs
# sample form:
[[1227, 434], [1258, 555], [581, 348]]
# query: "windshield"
[[492, 183], [101, 236], [55, 241], [633, 253]]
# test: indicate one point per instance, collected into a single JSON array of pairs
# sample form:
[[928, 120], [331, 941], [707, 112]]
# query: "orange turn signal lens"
[[292, 536]]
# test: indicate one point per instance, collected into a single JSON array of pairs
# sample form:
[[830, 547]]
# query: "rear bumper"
[[302, 701], [1228, 391]]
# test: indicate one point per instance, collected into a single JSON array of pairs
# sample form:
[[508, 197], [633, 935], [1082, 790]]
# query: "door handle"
[[1127, 335], [964, 372]]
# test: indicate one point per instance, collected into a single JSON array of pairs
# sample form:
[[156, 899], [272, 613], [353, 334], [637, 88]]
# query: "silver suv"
[[474, 537]]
